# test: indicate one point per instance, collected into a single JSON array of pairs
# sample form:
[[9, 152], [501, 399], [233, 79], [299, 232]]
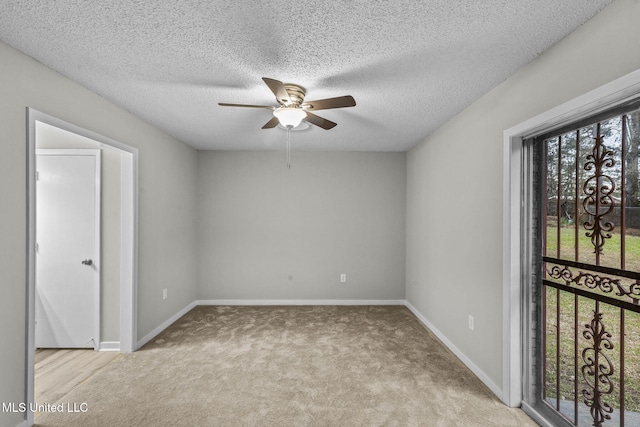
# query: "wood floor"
[[58, 371]]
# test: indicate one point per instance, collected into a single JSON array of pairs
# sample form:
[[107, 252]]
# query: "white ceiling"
[[411, 65]]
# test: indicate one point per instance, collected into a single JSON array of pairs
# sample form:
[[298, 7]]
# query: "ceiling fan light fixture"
[[292, 109], [289, 117]]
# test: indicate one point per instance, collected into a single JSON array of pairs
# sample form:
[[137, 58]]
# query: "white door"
[[67, 249]]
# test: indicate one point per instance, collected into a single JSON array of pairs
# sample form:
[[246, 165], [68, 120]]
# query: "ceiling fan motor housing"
[[296, 93]]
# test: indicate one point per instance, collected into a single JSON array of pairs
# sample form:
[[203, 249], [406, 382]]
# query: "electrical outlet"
[[164, 293], [471, 322], [343, 278]]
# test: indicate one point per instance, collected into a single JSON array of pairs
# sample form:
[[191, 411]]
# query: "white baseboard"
[[455, 350], [298, 302], [109, 346], [151, 335]]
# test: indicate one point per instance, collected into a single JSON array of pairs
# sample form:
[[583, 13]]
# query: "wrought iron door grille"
[[590, 299]]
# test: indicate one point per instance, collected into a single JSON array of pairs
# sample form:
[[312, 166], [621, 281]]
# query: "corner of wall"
[[458, 353]]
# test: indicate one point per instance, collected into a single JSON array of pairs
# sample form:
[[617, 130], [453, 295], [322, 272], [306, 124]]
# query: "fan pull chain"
[[289, 147]]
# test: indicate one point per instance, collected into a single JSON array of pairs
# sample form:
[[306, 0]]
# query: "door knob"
[[87, 262]]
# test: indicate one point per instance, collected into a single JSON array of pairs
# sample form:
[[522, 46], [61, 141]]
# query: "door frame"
[[516, 208], [128, 245], [96, 154]]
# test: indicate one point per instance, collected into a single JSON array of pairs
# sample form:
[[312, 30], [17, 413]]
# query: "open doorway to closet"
[[61, 153]]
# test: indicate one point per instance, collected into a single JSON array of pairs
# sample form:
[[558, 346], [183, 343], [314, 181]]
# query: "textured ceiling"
[[411, 65]]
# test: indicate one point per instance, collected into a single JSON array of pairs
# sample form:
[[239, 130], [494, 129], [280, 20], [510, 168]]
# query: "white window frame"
[[515, 206]]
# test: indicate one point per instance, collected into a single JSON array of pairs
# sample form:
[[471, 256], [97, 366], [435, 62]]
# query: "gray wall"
[[454, 182], [257, 225], [51, 137], [268, 232], [166, 205]]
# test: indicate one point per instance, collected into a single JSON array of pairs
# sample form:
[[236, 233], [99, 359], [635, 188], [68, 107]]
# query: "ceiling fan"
[[293, 109]]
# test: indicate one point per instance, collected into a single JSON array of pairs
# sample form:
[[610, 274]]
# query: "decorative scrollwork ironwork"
[[596, 373], [633, 292], [595, 281], [563, 273], [598, 189]]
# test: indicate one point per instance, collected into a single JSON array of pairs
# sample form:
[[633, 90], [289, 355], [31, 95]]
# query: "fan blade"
[[224, 104], [271, 123], [277, 87], [326, 104], [319, 121]]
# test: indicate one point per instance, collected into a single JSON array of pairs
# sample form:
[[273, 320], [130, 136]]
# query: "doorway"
[[124, 336]]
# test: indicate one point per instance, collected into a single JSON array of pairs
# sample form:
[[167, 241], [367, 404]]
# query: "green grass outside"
[[611, 320], [611, 250]]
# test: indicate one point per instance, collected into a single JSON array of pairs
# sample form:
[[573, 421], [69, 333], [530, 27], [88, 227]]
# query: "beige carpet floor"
[[288, 366]]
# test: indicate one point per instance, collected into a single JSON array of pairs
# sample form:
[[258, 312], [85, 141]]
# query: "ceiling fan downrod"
[[289, 146]]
